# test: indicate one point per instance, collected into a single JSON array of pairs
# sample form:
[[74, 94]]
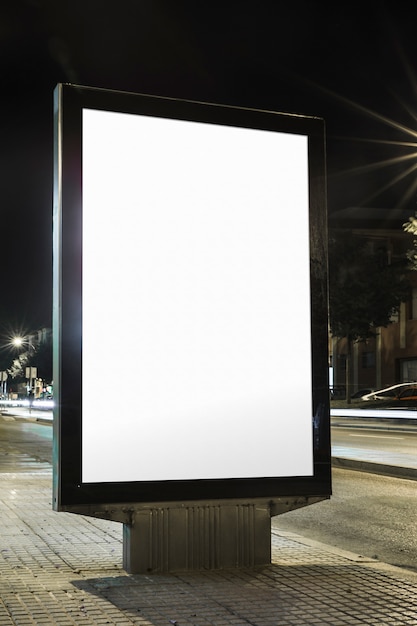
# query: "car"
[[409, 393], [361, 393], [391, 393]]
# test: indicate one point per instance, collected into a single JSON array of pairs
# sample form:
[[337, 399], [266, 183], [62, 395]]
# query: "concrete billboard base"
[[196, 537], [162, 537]]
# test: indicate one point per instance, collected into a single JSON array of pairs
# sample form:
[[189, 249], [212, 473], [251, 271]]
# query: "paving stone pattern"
[[65, 569]]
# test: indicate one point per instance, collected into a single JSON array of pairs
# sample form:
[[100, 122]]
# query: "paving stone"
[[66, 570]]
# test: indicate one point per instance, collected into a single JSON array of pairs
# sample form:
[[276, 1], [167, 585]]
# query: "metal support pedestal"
[[194, 537]]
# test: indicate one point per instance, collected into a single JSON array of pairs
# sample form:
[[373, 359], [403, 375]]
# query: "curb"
[[28, 418], [383, 469]]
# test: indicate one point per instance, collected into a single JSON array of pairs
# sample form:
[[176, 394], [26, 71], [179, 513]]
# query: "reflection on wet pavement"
[[24, 446]]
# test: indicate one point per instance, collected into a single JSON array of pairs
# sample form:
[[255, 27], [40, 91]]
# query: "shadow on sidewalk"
[[276, 594]]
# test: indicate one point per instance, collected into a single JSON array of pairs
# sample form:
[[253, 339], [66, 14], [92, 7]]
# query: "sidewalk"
[[63, 569]]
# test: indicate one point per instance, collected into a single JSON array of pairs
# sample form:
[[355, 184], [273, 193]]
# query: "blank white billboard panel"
[[196, 321]]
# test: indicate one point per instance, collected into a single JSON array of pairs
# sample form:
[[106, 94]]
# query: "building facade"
[[391, 356]]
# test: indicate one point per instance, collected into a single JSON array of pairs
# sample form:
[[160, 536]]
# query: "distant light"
[[17, 341]]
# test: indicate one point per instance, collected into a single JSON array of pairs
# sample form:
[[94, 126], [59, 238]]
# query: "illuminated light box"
[[189, 301]]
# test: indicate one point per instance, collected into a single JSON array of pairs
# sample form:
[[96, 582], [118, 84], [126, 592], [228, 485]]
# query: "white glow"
[[196, 301], [382, 413]]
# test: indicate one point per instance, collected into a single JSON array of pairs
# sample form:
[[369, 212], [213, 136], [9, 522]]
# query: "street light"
[[25, 343], [19, 341]]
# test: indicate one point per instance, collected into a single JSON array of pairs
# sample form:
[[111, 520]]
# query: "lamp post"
[[31, 375], [3, 379]]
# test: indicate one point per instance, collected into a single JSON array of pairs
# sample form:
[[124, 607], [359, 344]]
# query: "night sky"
[[354, 64]]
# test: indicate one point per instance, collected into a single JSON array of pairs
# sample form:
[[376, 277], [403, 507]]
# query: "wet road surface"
[[25, 446]]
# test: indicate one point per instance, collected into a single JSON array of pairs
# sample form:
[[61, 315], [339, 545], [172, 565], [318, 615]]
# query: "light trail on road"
[[381, 413], [375, 436]]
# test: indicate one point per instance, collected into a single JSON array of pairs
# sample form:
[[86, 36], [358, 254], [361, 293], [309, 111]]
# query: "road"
[[25, 446], [371, 515], [378, 441]]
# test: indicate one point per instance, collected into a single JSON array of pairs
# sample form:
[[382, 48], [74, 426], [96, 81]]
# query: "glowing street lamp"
[[22, 342], [17, 342]]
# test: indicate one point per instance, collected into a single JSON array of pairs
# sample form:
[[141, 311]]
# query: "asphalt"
[[66, 569], [394, 463]]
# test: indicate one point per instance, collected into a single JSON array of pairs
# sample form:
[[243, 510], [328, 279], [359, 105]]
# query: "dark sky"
[[354, 64]]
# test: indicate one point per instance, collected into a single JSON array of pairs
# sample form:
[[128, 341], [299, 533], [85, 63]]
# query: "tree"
[[411, 227], [365, 289]]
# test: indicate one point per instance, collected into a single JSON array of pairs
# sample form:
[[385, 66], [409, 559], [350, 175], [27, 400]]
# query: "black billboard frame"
[[69, 492]]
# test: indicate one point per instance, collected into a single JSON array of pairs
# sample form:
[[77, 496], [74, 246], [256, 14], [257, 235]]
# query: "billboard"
[[190, 305]]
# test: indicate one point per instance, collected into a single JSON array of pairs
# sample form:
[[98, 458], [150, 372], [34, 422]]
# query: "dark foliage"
[[365, 288]]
